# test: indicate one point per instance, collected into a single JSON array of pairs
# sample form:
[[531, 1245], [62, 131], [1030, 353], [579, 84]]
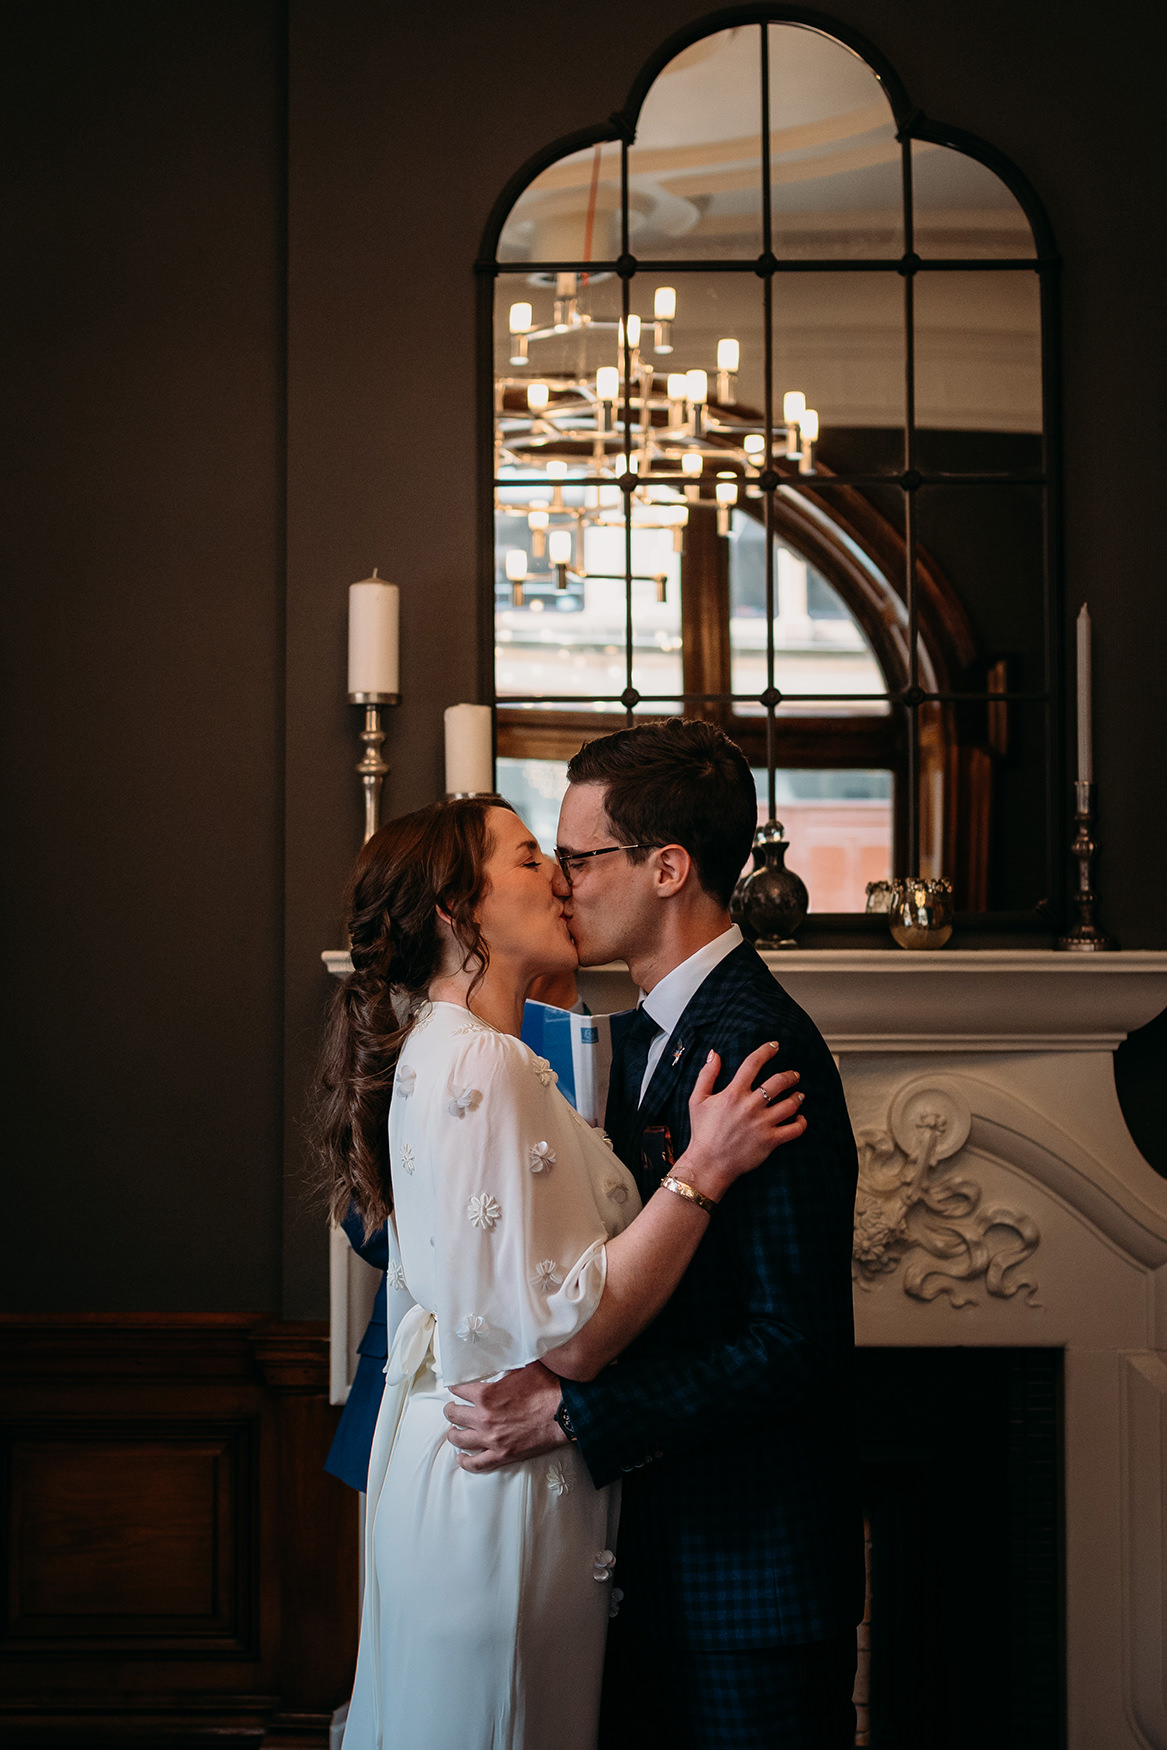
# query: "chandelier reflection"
[[628, 429]]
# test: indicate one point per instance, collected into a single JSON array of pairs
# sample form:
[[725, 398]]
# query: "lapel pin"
[[677, 1053]]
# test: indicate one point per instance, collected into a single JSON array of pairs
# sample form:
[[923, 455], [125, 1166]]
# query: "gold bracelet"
[[708, 1204]]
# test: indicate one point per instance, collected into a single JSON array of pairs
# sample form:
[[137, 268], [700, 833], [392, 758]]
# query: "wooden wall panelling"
[[177, 1567]]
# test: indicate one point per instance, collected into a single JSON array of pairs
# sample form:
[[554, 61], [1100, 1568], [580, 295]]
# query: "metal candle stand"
[[372, 769], [1085, 935]]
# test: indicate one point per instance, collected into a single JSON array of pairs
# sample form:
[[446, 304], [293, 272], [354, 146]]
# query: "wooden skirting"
[[179, 1569]]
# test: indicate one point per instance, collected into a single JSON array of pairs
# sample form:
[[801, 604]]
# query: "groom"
[[729, 1419]]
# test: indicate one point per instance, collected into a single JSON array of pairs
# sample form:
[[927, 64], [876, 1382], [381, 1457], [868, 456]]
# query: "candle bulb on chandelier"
[[559, 546], [520, 323], [728, 361], [557, 473], [725, 492], [793, 408], [538, 397], [808, 427], [607, 393], [664, 310], [697, 394], [633, 336]]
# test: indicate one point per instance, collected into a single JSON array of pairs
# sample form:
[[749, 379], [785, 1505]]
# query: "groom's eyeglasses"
[[570, 860]]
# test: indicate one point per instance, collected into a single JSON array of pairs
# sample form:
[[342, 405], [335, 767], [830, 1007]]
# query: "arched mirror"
[[770, 403]]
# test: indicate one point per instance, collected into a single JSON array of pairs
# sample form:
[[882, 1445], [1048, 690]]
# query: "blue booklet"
[[579, 1050]]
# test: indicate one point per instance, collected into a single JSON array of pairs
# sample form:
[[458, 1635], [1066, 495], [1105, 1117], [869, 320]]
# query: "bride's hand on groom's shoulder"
[[498, 1422], [734, 1131]]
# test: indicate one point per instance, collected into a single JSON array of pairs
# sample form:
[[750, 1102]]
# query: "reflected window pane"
[[835, 164], [570, 641], [534, 788], [839, 825], [819, 646]]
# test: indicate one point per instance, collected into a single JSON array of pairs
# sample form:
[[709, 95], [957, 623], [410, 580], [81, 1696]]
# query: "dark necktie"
[[638, 1037]]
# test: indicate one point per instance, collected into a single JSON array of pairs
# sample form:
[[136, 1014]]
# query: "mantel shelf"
[[961, 1000]]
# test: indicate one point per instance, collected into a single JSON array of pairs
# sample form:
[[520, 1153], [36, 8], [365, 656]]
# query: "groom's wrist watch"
[[564, 1420]]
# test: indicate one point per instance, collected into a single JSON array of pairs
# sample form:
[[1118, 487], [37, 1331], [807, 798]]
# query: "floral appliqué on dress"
[[396, 1275], [556, 1481], [407, 1161], [482, 1211], [616, 1189], [545, 1072], [602, 1564], [471, 1328], [464, 1100], [541, 1156], [546, 1275], [404, 1081]]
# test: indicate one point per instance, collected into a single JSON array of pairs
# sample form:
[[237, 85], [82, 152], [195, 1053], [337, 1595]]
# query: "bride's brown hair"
[[409, 869]]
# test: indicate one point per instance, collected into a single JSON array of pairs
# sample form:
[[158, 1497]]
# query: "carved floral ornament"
[[912, 1208]]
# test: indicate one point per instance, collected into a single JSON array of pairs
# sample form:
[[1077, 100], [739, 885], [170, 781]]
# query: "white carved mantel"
[[1002, 1202]]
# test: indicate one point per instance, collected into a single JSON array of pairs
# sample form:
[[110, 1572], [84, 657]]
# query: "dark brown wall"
[[167, 985]]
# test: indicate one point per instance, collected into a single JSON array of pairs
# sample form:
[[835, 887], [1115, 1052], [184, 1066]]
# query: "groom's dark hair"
[[677, 783]]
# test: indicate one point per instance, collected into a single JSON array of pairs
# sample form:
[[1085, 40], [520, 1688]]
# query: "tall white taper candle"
[[469, 763], [1085, 704], [373, 636]]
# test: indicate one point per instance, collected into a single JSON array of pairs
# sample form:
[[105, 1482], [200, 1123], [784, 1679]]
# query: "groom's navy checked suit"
[[729, 1419]]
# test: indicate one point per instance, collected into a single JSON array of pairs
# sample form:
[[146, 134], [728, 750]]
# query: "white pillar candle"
[[1085, 705], [469, 753], [373, 636]]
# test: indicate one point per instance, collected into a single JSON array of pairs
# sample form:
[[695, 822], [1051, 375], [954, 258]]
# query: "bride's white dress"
[[486, 1597]]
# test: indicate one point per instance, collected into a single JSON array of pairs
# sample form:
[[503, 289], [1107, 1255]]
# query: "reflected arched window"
[[768, 447]]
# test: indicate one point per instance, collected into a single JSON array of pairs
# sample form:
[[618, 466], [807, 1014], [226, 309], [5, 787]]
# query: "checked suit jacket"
[[730, 1418]]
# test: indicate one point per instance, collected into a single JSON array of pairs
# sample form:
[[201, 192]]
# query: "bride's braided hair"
[[409, 868]]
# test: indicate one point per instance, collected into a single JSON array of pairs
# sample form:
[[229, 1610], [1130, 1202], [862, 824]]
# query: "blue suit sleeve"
[[375, 1249]]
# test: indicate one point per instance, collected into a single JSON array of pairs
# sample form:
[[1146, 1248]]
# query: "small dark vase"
[[771, 901]]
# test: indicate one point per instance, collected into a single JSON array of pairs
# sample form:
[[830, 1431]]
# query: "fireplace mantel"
[[974, 1000]]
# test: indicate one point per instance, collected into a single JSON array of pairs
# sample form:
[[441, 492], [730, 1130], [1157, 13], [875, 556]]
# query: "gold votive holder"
[[921, 913]]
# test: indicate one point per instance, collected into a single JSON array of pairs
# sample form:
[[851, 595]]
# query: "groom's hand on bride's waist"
[[500, 1421]]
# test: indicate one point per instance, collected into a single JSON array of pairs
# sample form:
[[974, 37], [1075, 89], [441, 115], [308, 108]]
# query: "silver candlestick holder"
[[371, 768], [1085, 936]]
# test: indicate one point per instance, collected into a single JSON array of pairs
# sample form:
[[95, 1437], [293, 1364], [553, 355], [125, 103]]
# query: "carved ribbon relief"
[[912, 1208]]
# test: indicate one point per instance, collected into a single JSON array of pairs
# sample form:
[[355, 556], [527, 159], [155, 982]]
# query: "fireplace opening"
[[961, 1468]]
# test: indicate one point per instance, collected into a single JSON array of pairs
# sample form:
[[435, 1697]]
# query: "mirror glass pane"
[[695, 169], [836, 179], [839, 339], [818, 644], [839, 826], [571, 212], [987, 543], [962, 209], [978, 360]]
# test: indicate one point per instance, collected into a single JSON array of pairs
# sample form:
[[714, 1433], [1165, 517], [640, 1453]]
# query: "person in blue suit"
[[348, 1456], [730, 1418]]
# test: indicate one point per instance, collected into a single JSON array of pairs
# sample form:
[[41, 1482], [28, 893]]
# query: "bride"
[[515, 1235]]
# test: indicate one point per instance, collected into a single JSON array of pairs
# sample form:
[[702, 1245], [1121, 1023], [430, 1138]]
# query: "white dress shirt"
[[667, 1001]]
